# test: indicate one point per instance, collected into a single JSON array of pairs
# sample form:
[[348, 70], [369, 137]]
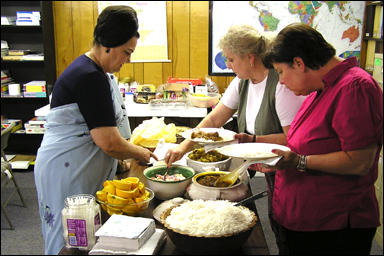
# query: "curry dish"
[[209, 181], [209, 157], [206, 135]]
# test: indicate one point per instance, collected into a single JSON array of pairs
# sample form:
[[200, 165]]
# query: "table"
[[255, 245], [137, 113]]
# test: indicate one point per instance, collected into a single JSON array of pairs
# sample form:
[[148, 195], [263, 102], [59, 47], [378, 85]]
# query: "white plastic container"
[[81, 218]]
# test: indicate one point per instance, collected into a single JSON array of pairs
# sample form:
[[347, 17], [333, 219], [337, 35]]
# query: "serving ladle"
[[229, 179]]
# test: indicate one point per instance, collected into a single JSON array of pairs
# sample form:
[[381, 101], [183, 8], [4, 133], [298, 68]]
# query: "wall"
[[188, 37]]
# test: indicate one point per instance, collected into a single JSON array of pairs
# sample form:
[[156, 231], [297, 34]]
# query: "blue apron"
[[69, 162]]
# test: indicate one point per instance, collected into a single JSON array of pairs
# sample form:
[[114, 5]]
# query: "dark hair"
[[299, 40], [116, 25]]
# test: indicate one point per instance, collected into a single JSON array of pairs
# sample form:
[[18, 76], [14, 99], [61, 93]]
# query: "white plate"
[[251, 151], [227, 135]]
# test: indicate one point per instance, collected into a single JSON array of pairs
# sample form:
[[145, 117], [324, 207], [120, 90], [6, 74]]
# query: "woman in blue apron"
[[87, 126]]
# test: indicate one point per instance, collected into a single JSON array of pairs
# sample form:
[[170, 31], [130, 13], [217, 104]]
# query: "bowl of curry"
[[203, 187], [202, 161]]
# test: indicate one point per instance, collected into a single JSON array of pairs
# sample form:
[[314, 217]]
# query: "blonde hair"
[[244, 39]]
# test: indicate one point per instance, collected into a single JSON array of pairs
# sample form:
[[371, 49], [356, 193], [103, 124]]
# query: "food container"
[[234, 193], [167, 204], [143, 97], [205, 102], [130, 209], [81, 218], [163, 104], [200, 167], [165, 190], [209, 244]]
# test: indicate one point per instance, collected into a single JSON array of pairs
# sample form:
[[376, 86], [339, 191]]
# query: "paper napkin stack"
[[128, 235]]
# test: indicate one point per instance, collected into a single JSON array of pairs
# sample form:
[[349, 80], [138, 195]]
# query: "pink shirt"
[[347, 115]]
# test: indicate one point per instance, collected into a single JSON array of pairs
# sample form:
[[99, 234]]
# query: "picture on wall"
[[340, 22]]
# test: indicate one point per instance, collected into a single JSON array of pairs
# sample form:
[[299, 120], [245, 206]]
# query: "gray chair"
[[7, 174]]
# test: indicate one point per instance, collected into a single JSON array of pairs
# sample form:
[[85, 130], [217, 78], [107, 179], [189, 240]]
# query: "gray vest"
[[267, 120]]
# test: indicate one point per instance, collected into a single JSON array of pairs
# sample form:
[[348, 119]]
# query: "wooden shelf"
[[373, 39]]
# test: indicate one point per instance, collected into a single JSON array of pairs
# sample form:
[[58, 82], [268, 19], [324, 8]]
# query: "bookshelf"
[[38, 39], [372, 39], [372, 47]]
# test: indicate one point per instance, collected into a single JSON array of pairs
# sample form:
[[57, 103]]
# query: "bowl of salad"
[[171, 183]]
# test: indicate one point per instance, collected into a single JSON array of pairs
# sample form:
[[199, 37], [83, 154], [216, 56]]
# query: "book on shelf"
[[32, 57], [35, 125], [151, 247], [4, 89], [27, 57], [8, 20], [35, 94], [27, 18], [12, 58], [22, 161], [34, 86], [125, 232], [36, 83], [34, 128], [38, 120], [18, 52]]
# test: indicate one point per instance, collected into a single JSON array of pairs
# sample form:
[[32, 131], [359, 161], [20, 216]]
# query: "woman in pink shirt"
[[324, 191]]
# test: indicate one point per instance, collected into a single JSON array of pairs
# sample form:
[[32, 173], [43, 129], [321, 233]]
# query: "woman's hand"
[[174, 154], [123, 166], [145, 155], [289, 160], [243, 137]]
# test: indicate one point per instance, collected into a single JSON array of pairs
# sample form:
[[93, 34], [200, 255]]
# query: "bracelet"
[[254, 138], [302, 165]]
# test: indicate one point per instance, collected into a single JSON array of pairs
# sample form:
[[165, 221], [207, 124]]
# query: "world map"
[[152, 17], [340, 22]]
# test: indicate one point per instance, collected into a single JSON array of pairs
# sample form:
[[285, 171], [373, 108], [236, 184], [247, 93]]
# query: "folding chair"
[[7, 174]]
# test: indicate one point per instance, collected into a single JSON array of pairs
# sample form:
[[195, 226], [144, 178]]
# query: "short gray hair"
[[244, 39]]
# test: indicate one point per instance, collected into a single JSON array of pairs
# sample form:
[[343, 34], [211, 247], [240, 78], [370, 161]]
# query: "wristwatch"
[[302, 165]]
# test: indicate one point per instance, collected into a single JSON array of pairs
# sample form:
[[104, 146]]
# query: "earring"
[[107, 50], [252, 65]]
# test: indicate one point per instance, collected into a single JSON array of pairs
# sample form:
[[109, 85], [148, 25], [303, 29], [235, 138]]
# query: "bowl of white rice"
[[208, 227]]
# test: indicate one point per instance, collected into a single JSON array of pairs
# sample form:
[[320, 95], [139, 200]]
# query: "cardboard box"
[[192, 81], [174, 91]]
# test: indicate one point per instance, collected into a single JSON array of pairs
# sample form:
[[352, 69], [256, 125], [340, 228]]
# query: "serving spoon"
[[229, 179]]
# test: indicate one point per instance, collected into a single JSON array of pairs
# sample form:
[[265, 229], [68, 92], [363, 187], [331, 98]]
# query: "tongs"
[[252, 198]]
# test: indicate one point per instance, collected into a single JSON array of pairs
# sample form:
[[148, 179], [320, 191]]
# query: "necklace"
[[93, 57], [265, 74]]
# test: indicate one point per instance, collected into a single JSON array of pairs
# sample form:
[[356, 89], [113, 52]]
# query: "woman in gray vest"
[[265, 107]]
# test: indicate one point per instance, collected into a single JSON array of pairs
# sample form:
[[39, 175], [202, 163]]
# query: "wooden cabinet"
[[39, 39]]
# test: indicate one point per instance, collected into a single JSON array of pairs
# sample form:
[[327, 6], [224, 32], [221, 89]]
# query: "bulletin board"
[[340, 22]]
